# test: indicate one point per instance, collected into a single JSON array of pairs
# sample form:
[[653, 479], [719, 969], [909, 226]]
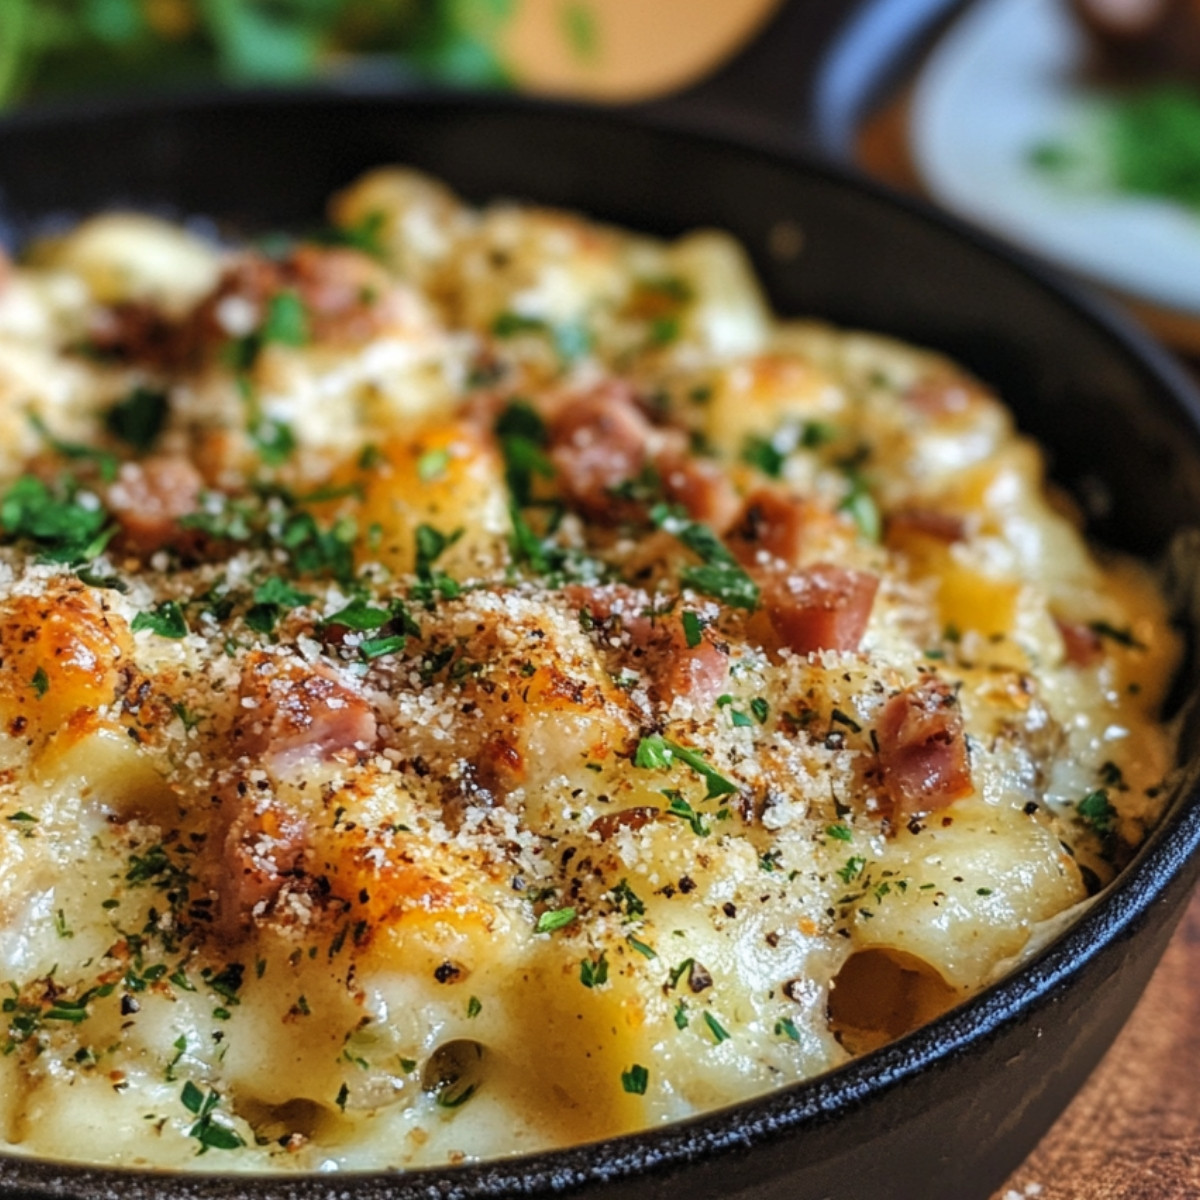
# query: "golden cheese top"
[[475, 681]]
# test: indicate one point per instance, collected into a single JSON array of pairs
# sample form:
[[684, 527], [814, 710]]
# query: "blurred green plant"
[[55, 47], [1141, 142]]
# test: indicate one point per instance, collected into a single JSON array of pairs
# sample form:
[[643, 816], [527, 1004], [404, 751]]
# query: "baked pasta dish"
[[476, 681]]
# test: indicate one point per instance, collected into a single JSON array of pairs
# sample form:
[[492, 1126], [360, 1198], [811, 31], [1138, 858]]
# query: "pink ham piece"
[[699, 673], [823, 607], [148, 498], [701, 487], [264, 846], [773, 524], [943, 527], [656, 647], [598, 441], [940, 396], [1081, 644], [291, 713], [923, 750]]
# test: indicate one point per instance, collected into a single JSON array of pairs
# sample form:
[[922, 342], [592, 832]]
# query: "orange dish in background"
[[477, 681]]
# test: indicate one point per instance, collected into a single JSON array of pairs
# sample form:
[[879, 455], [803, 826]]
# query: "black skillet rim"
[[1170, 855]]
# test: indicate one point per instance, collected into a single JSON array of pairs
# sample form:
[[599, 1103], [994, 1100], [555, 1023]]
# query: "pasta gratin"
[[476, 681]]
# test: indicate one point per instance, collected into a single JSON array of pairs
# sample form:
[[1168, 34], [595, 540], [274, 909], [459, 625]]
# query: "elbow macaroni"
[[420, 741]]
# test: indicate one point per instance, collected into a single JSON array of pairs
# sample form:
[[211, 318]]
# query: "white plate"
[[1004, 80]]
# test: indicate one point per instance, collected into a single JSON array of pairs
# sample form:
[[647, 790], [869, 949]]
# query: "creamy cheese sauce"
[[480, 682]]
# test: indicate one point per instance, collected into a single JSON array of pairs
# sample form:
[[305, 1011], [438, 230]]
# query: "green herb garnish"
[[720, 575], [209, 1128], [554, 919], [138, 419], [656, 753], [635, 1080], [593, 971], [68, 526], [719, 1032], [1096, 810], [166, 620]]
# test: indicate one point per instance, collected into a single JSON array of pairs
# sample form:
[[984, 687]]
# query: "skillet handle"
[[812, 73]]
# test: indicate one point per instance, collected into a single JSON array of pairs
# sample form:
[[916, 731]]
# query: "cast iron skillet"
[[948, 1112]]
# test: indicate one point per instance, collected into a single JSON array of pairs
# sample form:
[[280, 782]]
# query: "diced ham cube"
[[148, 498], [655, 647], [923, 750], [1081, 643], [598, 441], [770, 523], [944, 527], [264, 845], [701, 487], [823, 607], [292, 713]]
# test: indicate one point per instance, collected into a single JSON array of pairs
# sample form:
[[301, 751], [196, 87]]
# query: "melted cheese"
[[432, 756]]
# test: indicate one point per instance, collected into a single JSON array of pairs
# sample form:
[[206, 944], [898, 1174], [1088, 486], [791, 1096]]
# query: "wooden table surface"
[[1133, 1133]]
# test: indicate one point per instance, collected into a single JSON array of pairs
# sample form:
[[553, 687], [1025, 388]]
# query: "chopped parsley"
[[432, 464], [641, 947], [285, 321], [571, 339], [635, 1080], [138, 419], [859, 505], [373, 648], [554, 919], [786, 1027], [105, 460], [522, 436], [359, 616], [626, 899], [365, 235], [593, 971], [40, 682], [271, 600], [509, 324], [719, 575], [853, 868], [657, 753], [679, 807], [432, 583], [210, 1128], [719, 1032], [67, 525], [165, 620], [839, 832], [1097, 811], [693, 629], [96, 580], [664, 331], [769, 455], [762, 453], [273, 439], [474, 1007], [677, 973]]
